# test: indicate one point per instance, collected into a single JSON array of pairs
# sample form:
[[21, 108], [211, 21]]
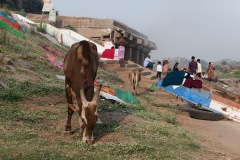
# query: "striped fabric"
[[6, 18], [10, 29]]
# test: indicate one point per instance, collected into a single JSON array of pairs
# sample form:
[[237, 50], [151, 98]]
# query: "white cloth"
[[199, 67], [146, 61], [159, 68]]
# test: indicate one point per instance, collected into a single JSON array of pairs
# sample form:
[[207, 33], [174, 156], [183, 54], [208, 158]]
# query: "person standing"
[[192, 66], [165, 67], [121, 50], [159, 70], [148, 63], [199, 68], [210, 71]]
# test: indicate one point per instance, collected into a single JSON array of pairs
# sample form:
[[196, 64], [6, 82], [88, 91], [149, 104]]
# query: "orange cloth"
[[106, 89]]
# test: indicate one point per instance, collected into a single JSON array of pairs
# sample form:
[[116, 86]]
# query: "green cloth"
[[154, 87], [10, 29], [126, 96]]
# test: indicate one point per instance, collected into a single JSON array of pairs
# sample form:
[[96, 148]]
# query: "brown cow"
[[80, 69], [135, 77]]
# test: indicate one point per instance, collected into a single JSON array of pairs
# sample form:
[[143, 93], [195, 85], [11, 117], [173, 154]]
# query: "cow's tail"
[[84, 53]]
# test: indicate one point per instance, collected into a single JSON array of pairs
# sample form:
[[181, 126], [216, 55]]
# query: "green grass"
[[169, 117], [235, 74], [108, 78], [20, 90]]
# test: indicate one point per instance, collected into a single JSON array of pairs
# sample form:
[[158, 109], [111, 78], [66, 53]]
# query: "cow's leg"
[[80, 123], [135, 89], [69, 96]]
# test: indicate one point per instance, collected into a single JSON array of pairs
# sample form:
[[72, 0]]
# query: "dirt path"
[[219, 137]]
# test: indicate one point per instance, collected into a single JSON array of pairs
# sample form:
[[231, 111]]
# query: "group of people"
[[161, 70], [194, 67]]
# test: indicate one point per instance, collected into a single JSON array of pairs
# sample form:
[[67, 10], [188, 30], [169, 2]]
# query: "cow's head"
[[89, 116]]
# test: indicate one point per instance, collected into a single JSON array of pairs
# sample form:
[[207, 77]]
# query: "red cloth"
[[108, 53], [190, 83]]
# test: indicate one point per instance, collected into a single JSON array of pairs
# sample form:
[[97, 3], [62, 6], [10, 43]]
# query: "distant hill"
[[228, 62]]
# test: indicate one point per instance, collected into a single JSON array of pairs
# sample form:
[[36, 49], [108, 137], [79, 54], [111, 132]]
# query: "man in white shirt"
[[148, 63], [199, 69]]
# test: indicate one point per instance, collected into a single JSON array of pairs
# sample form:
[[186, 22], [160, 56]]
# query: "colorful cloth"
[[52, 50], [173, 78], [121, 51], [126, 96], [55, 62], [21, 22], [104, 88], [191, 83], [10, 29], [108, 53], [8, 19]]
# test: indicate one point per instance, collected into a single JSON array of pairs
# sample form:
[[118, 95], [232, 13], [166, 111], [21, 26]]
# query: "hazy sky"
[[207, 29]]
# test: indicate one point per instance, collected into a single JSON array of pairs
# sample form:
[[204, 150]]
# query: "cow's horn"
[[96, 95], [82, 95]]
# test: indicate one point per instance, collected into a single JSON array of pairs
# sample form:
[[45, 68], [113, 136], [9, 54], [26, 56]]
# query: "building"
[[103, 31]]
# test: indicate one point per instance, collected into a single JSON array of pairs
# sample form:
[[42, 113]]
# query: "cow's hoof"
[[88, 141], [67, 133]]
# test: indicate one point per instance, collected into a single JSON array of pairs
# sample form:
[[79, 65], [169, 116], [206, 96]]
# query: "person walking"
[[199, 68], [121, 50], [192, 66], [159, 70]]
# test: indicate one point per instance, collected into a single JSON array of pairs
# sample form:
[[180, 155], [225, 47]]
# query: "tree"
[[30, 6], [33, 6], [224, 63]]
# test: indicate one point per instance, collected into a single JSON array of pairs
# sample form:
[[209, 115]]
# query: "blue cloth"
[[192, 95], [3, 14]]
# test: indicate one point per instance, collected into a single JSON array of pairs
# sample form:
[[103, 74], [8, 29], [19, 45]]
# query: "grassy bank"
[[33, 115]]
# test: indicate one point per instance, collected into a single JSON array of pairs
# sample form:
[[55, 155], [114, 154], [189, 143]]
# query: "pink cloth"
[[52, 50], [55, 62], [121, 51]]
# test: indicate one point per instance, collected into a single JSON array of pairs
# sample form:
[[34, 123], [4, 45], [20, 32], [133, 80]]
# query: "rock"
[[11, 68], [7, 61]]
